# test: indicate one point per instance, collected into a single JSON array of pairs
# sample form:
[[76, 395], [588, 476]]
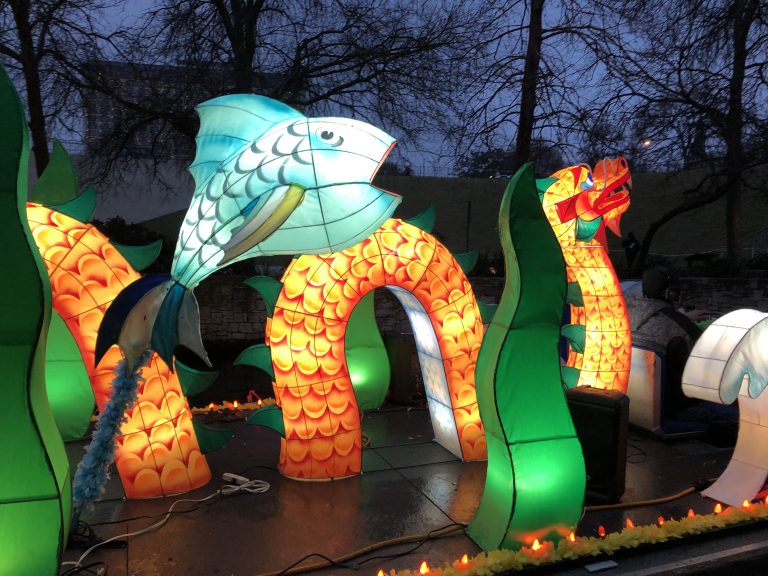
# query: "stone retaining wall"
[[232, 311], [722, 295]]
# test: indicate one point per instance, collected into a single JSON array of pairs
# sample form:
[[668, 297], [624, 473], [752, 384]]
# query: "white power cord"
[[237, 484], [233, 484]]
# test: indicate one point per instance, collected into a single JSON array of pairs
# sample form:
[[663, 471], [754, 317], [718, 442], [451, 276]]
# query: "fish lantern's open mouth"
[[381, 163]]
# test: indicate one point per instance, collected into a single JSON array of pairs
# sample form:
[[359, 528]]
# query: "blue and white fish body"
[[268, 180]]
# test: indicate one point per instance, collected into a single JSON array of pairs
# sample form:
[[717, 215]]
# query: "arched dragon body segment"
[[158, 452], [579, 203], [306, 339]]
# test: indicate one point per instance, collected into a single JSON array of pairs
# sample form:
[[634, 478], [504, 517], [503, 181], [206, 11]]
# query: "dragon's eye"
[[330, 138]]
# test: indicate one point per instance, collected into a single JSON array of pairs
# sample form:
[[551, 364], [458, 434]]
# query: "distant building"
[[123, 116], [115, 118]]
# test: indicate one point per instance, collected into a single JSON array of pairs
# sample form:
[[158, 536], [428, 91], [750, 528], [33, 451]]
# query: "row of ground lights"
[[537, 547]]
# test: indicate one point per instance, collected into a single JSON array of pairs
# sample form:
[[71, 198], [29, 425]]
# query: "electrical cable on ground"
[[640, 503], [342, 561], [86, 569], [234, 484], [143, 517]]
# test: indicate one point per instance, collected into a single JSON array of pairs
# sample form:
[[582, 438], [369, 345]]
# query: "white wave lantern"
[[729, 362]]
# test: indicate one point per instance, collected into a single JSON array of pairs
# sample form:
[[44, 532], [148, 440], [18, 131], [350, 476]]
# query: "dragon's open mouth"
[[618, 184]]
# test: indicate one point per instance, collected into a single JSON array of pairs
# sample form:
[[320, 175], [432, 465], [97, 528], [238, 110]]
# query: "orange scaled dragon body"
[[579, 203], [157, 449], [306, 336]]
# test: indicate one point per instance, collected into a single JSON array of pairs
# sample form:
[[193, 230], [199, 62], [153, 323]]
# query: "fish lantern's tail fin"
[[153, 313]]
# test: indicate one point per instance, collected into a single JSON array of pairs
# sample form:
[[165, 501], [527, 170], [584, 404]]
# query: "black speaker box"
[[601, 419]]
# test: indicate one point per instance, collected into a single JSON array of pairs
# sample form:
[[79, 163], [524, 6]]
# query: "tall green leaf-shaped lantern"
[[534, 486], [35, 493]]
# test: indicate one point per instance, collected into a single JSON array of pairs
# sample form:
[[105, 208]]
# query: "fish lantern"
[[268, 180]]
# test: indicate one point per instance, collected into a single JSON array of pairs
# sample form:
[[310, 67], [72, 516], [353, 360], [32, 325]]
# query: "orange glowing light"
[[306, 338], [259, 403], [235, 404], [157, 451], [718, 508], [424, 568], [691, 513], [745, 504], [572, 537], [211, 406], [601, 531], [660, 520], [380, 573], [630, 524], [766, 500], [464, 560], [536, 546], [578, 196]]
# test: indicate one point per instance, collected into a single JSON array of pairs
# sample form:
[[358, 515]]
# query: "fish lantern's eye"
[[329, 137]]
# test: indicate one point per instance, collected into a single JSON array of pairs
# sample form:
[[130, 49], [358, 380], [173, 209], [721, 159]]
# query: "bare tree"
[[38, 40], [537, 69], [690, 81], [396, 63]]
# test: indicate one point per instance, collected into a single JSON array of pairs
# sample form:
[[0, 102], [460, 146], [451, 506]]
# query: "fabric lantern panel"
[[158, 453], [579, 204], [306, 336], [730, 362]]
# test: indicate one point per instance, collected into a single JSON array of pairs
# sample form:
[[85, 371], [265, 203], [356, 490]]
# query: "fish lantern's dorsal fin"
[[228, 123]]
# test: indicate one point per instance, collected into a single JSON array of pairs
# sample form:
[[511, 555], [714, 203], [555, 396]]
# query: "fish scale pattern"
[[306, 339], [215, 213], [157, 449], [605, 360]]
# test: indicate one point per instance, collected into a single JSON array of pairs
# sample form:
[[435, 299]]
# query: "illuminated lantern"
[[157, 450], [66, 382], [579, 203], [268, 180], [535, 480], [306, 336], [366, 356], [35, 490], [729, 362]]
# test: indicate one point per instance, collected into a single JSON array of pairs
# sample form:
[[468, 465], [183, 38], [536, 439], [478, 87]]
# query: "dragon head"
[[596, 197], [613, 185]]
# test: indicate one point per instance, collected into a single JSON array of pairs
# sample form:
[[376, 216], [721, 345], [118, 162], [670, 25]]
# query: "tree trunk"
[[29, 63], [240, 24], [529, 86], [696, 202], [744, 12]]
